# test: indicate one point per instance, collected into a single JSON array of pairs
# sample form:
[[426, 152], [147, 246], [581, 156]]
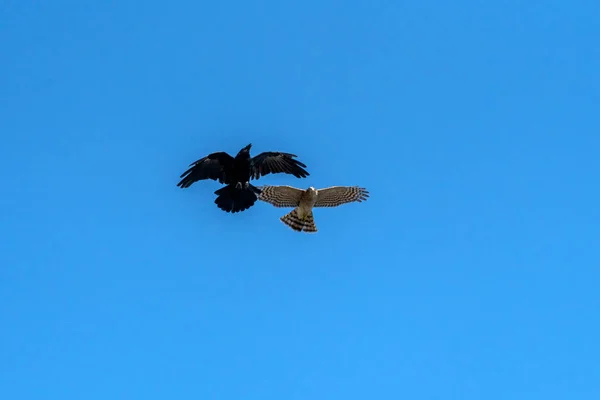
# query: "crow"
[[236, 172]]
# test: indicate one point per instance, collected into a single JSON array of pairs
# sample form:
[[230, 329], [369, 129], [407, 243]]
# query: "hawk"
[[301, 217], [236, 172]]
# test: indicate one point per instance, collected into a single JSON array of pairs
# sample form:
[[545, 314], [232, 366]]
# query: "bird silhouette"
[[235, 173]]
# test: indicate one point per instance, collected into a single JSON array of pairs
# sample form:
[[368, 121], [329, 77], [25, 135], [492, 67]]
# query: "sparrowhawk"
[[301, 217]]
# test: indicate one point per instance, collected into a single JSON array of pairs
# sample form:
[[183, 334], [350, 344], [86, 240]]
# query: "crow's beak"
[[247, 148]]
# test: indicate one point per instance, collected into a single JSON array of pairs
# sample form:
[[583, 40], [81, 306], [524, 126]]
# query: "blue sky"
[[470, 273]]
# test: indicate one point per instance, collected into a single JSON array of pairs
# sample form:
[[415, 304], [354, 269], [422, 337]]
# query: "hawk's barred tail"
[[298, 224]]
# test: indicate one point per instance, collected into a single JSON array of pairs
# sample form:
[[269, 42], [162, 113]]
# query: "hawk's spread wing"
[[281, 196], [338, 195], [215, 166], [276, 162]]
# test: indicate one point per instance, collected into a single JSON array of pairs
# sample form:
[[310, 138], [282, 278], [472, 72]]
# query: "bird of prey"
[[301, 217], [236, 172]]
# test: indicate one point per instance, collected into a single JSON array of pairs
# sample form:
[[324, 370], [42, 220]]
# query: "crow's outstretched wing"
[[215, 166], [275, 162]]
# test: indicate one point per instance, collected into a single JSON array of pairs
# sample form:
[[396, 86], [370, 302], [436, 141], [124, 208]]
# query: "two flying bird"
[[239, 194]]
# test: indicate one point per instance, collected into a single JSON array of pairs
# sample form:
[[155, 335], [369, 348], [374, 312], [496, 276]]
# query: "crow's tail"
[[232, 198]]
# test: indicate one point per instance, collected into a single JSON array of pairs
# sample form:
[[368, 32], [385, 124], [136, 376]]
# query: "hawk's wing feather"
[[216, 166], [281, 196], [271, 162], [337, 195]]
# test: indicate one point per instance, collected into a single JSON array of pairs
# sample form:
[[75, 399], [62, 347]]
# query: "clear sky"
[[471, 273]]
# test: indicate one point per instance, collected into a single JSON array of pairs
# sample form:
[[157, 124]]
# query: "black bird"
[[236, 173]]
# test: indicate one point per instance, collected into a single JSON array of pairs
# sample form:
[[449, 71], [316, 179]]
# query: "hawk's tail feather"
[[298, 224], [232, 199]]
